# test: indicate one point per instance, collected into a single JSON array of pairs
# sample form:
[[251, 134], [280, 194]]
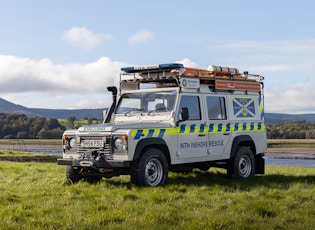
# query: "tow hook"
[[102, 170], [86, 163]]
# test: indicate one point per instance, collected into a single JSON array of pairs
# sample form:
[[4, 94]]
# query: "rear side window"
[[216, 108], [193, 105]]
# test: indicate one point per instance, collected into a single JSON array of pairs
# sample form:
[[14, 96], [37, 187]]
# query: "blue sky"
[[63, 54]]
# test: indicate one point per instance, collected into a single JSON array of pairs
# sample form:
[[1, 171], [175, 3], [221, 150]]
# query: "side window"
[[216, 108], [193, 105]]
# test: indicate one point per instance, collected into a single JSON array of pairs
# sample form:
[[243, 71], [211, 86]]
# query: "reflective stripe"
[[192, 128], [138, 134], [161, 133], [182, 128], [151, 132], [198, 129]]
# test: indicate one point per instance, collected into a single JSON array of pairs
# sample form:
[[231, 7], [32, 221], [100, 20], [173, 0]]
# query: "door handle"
[[201, 135], [225, 134]]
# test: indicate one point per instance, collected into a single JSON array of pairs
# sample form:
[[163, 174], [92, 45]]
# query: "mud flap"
[[260, 164]]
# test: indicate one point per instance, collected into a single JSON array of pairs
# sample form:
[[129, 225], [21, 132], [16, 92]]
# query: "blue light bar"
[[127, 69], [171, 66], [133, 69]]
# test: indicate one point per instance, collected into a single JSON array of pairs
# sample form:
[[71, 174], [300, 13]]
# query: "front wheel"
[[72, 175], [244, 162], [152, 169]]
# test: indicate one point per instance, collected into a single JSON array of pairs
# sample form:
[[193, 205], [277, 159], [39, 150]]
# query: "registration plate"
[[92, 143]]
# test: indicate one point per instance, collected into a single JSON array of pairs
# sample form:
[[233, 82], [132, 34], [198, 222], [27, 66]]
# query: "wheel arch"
[[243, 140], [154, 142]]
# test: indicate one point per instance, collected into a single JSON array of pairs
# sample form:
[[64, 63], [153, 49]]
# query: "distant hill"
[[8, 107], [275, 118]]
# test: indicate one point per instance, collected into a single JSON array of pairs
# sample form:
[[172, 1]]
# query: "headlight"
[[118, 143], [73, 143]]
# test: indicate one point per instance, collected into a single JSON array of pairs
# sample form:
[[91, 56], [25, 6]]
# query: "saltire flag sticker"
[[244, 107]]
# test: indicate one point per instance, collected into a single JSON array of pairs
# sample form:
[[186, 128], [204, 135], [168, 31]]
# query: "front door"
[[192, 134]]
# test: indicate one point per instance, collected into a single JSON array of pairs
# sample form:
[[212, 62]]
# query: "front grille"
[[106, 149]]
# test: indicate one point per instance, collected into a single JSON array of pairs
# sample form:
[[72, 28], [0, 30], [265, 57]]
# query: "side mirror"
[[184, 114]]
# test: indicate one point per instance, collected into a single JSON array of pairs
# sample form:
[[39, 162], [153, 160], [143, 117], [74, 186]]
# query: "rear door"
[[219, 129]]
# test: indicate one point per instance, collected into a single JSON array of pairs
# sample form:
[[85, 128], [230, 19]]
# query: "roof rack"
[[222, 78]]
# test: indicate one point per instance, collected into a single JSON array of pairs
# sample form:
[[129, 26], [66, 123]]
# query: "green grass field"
[[287, 143], [36, 196], [12, 153]]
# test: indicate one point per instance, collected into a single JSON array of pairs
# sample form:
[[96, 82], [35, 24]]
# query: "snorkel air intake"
[[112, 89]]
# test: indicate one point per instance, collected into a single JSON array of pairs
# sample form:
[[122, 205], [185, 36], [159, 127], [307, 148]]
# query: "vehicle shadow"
[[210, 178], [269, 181]]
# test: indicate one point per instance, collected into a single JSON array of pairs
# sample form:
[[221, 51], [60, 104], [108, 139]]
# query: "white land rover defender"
[[172, 118]]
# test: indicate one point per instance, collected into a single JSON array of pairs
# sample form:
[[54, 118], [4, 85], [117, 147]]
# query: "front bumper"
[[93, 163]]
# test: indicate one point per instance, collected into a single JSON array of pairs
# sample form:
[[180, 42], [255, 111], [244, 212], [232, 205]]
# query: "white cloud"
[[187, 62], [83, 38], [44, 84], [24, 76], [57, 101], [141, 36], [290, 98]]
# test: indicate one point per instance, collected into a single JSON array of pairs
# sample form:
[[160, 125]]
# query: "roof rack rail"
[[222, 78]]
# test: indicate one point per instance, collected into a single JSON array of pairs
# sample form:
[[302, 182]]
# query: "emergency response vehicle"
[[172, 118]]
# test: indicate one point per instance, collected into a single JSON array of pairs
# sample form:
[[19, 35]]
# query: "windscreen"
[[146, 102]]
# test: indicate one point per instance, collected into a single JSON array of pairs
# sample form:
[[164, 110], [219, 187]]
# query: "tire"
[[244, 163], [152, 169], [72, 175]]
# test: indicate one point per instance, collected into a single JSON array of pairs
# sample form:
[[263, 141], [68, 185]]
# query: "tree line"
[[291, 130], [19, 126]]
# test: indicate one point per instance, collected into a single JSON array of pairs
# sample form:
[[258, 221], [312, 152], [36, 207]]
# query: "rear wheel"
[[152, 169], [244, 162]]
